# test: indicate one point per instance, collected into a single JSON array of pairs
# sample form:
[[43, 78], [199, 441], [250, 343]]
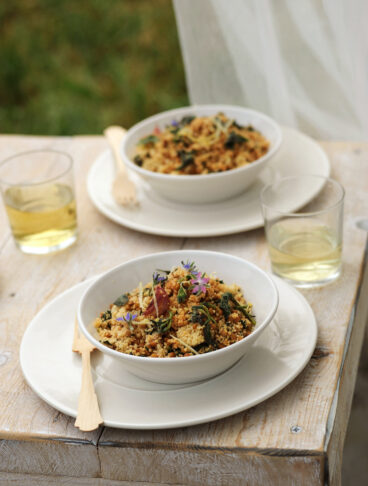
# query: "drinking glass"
[[38, 193], [305, 247]]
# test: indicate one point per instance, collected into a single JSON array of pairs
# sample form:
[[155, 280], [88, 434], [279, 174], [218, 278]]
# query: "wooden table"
[[294, 438]]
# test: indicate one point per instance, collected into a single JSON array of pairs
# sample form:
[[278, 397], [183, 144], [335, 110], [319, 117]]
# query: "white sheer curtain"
[[304, 62]]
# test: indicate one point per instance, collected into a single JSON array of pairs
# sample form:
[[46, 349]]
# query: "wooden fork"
[[123, 189], [88, 415]]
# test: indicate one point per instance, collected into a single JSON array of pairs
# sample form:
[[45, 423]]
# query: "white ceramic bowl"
[[206, 188], [257, 286]]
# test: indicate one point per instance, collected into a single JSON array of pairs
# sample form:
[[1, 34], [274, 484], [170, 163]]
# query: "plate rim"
[[56, 404], [202, 233]]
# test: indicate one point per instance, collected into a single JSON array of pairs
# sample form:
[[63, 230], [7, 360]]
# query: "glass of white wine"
[[38, 192], [305, 247]]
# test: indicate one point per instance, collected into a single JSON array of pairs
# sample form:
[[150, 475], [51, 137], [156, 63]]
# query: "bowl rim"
[[187, 359], [159, 116]]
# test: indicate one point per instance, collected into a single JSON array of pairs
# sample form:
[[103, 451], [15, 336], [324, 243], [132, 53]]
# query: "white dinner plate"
[[298, 154], [54, 372]]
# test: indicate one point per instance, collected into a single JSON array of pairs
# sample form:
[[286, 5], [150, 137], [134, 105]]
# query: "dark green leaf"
[[236, 125], [162, 325], [186, 158], [186, 120], [106, 315], [177, 139], [208, 335], [138, 160], [233, 139], [182, 294], [148, 139], [122, 300], [224, 305]]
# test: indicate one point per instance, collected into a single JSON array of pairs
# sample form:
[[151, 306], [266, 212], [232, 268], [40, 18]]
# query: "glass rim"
[[27, 152], [309, 213]]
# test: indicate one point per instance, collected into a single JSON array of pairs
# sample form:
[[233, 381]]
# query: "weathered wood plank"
[[48, 457], [210, 468], [10, 479]]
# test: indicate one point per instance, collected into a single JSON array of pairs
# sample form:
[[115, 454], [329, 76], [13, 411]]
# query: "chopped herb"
[[162, 325], [236, 125], [174, 130], [182, 294], [244, 324], [148, 139], [186, 120], [122, 300], [202, 316], [187, 158], [233, 139], [106, 315], [138, 160], [224, 305], [250, 128], [208, 335], [201, 308]]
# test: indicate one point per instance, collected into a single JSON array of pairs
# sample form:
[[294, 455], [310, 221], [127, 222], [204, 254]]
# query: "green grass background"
[[71, 67]]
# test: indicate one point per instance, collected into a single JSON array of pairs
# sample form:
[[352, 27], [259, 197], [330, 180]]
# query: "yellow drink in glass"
[[37, 189], [305, 247]]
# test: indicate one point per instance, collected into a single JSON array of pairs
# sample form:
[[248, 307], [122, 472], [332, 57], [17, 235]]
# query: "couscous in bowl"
[[256, 285], [202, 188]]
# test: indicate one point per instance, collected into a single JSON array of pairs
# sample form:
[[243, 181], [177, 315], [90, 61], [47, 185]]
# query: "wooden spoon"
[[88, 415], [123, 189]]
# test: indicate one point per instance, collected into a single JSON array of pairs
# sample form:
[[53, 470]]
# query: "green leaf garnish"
[[138, 160], [148, 139], [182, 294], [236, 125], [162, 325], [187, 158], [106, 315], [186, 120], [208, 335], [224, 305], [202, 309], [233, 139], [122, 300]]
